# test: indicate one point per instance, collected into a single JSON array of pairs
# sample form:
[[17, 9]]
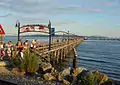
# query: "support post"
[[63, 38], [49, 27], [68, 43], [68, 37], [75, 59], [18, 26], [51, 59]]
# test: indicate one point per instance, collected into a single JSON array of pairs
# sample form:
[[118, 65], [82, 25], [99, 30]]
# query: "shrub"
[[30, 62], [15, 57], [91, 78]]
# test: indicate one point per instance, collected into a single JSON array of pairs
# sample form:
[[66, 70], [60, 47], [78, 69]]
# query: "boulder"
[[60, 77], [49, 77], [4, 69], [17, 72], [53, 71], [66, 72], [102, 77], [70, 78], [66, 82], [85, 73], [45, 66], [77, 71], [4, 63], [109, 82]]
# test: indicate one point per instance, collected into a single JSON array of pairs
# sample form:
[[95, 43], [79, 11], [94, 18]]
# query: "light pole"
[[18, 26], [49, 27], [51, 59]]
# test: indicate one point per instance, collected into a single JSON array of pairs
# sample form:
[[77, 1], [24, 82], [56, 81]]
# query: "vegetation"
[[91, 78], [30, 62], [15, 58]]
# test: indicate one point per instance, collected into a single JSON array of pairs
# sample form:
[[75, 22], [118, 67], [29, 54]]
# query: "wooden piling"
[[75, 59]]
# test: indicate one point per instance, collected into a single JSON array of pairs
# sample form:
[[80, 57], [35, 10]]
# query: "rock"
[[60, 77], [49, 77], [4, 69], [4, 63], [109, 82], [103, 78], [16, 71], [66, 72], [46, 66], [66, 82], [69, 78], [78, 71], [54, 71]]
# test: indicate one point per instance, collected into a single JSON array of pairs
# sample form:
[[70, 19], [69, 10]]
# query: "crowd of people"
[[6, 49]]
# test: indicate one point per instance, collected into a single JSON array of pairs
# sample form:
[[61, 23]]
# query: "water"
[[14, 38], [100, 55]]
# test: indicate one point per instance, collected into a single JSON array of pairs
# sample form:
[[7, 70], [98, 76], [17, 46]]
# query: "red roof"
[[2, 32]]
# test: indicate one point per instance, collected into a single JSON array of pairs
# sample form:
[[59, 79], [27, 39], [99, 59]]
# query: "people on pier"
[[8, 49], [2, 53], [20, 48], [33, 44], [2, 45], [26, 44]]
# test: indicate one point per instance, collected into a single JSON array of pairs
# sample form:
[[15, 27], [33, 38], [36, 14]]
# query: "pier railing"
[[59, 50]]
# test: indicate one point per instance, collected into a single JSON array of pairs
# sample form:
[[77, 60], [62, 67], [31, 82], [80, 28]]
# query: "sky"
[[81, 17]]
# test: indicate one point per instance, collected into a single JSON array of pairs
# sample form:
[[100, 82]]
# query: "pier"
[[59, 50]]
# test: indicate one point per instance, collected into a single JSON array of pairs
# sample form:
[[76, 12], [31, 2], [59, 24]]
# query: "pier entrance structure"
[[52, 51], [35, 28]]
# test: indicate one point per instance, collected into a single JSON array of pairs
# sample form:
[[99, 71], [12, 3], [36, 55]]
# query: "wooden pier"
[[59, 50]]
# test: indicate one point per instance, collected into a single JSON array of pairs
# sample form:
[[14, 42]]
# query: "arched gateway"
[[34, 28]]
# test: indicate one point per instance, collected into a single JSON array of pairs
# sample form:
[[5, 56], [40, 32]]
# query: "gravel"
[[12, 78]]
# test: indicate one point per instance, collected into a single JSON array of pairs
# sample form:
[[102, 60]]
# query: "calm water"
[[94, 55], [100, 55], [14, 39]]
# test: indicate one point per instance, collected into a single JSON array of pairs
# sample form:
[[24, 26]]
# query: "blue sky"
[[82, 17]]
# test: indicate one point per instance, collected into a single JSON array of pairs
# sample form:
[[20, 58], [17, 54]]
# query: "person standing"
[[33, 44], [8, 49], [26, 44], [20, 48], [2, 53]]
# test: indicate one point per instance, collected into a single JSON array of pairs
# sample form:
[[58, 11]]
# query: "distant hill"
[[100, 38]]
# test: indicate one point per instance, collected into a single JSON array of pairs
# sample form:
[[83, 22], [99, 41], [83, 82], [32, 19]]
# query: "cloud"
[[44, 7], [6, 15]]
